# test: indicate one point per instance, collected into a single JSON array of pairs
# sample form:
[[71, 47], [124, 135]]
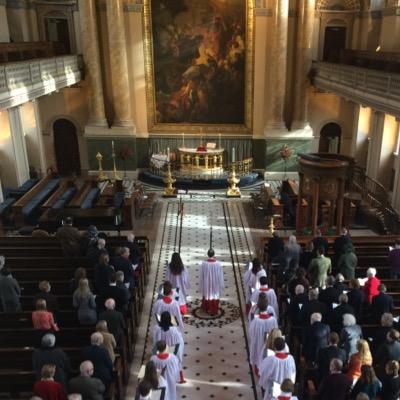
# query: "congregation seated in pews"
[[58, 324], [337, 299]]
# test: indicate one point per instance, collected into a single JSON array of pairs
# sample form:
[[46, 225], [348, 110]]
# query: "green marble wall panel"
[[104, 146], [142, 152], [259, 153], [274, 162]]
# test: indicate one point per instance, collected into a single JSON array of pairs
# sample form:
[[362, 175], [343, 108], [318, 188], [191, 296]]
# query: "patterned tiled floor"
[[216, 359]]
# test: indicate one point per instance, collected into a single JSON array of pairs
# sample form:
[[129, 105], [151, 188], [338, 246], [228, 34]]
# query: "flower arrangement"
[[285, 152]]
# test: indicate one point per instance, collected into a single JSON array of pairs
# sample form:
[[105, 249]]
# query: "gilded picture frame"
[[160, 127]]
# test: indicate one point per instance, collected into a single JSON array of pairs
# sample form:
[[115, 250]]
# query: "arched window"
[[330, 135]]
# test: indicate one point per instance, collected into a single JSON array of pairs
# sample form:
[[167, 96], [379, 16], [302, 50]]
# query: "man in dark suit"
[[326, 354], [336, 318], [122, 263], [120, 294], [274, 247], [99, 356], [45, 294], [330, 294], [311, 307], [356, 298], [320, 241], [134, 249], [115, 320], [339, 245], [381, 303], [90, 388], [316, 337], [388, 350], [336, 385], [296, 303]]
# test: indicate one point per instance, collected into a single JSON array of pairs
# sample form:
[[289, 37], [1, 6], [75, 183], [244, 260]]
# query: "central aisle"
[[216, 357]]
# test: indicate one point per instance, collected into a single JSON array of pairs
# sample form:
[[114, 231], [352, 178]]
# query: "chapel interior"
[[198, 124]]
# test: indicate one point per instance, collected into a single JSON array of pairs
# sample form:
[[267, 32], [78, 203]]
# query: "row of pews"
[[47, 201], [34, 259], [372, 251]]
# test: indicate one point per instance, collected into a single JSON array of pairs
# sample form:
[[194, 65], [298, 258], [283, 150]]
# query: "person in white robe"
[[286, 391], [168, 303], [178, 275], [268, 347], [254, 309], [152, 384], [169, 366], [262, 324], [170, 334], [251, 280], [271, 295], [276, 368], [211, 283]]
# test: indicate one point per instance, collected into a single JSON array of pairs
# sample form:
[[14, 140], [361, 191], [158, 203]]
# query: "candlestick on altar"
[[233, 155], [168, 154], [102, 176], [183, 139], [112, 146], [219, 140]]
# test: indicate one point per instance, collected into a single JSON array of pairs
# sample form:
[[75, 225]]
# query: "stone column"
[[91, 55], [375, 145], [276, 66], [17, 149], [302, 64], [4, 32], [119, 64]]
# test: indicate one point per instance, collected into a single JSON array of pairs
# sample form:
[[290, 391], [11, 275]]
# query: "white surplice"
[[276, 368], [180, 281], [265, 352], [172, 306], [252, 281], [170, 368], [172, 337], [260, 327], [211, 279], [271, 296], [156, 394], [254, 311]]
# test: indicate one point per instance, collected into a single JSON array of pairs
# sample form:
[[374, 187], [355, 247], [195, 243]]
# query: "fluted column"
[[302, 63], [119, 64], [276, 68], [87, 12]]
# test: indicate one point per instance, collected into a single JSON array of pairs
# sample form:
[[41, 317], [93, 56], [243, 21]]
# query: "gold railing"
[[242, 167]]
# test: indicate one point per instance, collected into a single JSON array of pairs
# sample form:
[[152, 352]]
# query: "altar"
[[201, 160]]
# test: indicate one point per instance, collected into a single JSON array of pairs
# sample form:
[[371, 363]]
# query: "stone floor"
[[216, 358]]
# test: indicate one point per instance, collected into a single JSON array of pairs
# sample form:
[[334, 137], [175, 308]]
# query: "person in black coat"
[[356, 298], [388, 350], [134, 250], [326, 354], [274, 247], [296, 303], [99, 356], [339, 283], [330, 294], [115, 320], [316, 337], [122, 263], [380, 334], [298, 279], [312, 306], [320, 241], [381, 303], [336, 318], [339, 246], [391, 381], [96, 249], [48, 354], [45, 294], [121, 295], [102, 273], [306, 256]]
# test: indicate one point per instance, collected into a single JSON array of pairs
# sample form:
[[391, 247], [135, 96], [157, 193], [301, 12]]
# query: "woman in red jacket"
[[47, 388], [42, 319], [371, 285]]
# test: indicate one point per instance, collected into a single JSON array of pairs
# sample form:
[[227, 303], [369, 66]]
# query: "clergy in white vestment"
[[211, 283], [285, 392], [251, 280], [271, 295], [169, 366], [170, 334], [261, 325], [167, 303], [152, 385], [254, 309], [178, 275], [276, 368]]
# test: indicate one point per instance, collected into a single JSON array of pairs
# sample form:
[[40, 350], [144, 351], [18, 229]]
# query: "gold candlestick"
[[233, 190], [102, 176], [271, 226], [169, 191]]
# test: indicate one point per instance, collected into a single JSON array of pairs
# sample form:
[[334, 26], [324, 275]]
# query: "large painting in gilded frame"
[[199, 65]]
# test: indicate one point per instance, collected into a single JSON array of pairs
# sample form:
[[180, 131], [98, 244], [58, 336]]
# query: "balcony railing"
[[26, 80], [377, 89]]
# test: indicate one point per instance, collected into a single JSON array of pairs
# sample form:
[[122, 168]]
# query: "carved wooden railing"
[[376, 196], [10, 52]]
